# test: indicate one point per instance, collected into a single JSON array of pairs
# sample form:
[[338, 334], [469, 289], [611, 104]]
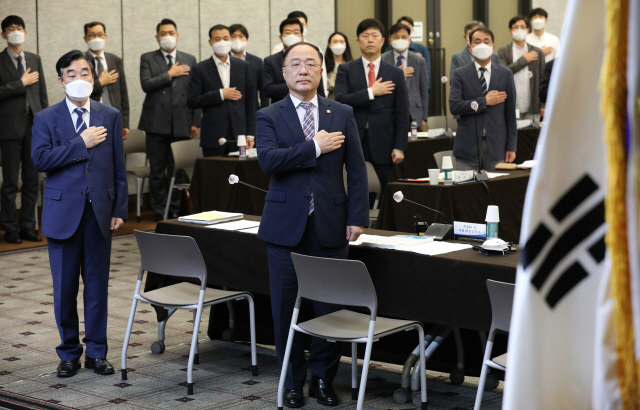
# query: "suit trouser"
[[161, 169], [86, 253], [14, 153], [383, 171], [324, 356]]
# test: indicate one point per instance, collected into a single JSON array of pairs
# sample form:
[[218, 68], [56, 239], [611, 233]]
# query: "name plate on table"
[[462, 176], [469, 229]]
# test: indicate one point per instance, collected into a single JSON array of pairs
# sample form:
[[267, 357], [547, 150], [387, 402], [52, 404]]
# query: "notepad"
[[211, 217]]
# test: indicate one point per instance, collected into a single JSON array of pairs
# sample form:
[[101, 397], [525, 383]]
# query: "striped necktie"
[[483, 81], [80, 124], [309, 129]]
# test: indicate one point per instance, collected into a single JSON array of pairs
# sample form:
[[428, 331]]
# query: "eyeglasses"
[[295, 66]]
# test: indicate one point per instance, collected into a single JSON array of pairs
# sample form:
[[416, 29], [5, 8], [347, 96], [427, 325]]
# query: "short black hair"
[[302, 43], [93, 24], [481, 30], [66, 60], [164, 22], [296, 14], [397, 27], [291, 22], [538, 12], [366, 24], [407, 19], [517, 19], [237, 27], [472, 24], [219, 27], [11, 20]]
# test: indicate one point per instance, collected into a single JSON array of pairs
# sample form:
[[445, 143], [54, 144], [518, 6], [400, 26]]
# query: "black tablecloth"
[[459, 202]]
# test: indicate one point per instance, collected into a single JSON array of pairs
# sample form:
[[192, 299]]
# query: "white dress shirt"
[[301, 111], [522, 81], [224, 70], [85, 116], [376, 68], [545, 40]]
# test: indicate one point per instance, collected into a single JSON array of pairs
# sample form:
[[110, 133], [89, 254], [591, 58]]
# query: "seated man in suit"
[[415, 72], [304, 141], [484, 96], [464, 57], [221, 86], [78, 143], [378, 94], [111, 85], [274, 84]]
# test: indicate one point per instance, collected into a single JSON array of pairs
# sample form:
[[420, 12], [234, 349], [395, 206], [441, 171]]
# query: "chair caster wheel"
[[416, 399], [401, 396], [157, 347], [457, 377], [491, 382], [227, 335]]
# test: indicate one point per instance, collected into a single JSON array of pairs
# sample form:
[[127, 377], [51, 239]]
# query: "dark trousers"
[[86, 253], [324, 356], [16, 155], [161, 169], [383, 171], [229, 146]]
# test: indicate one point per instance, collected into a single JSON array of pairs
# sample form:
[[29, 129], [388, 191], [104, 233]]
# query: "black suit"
[[255, 63], [222, 118], [15, 139], [383, 123], [274, 85], [118, 95], [544, 81]]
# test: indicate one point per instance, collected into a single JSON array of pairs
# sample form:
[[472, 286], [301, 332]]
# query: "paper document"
[[235, 225], [251, 230], [528, 164], [437, 248], [212, 217], [390, 242], [496, 174]]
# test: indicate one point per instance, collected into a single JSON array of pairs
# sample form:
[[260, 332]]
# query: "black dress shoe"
[[68, 368], [30, 235], [12, 237], [293, 398], [99, 366], [323, 392]]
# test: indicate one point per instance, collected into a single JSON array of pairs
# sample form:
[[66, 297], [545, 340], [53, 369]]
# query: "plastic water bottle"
[[447, 167], [492, 220], [242, 147], [414, 130]]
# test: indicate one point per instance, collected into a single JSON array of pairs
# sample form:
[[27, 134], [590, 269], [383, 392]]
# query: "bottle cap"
[[492, 214], [446, 163]]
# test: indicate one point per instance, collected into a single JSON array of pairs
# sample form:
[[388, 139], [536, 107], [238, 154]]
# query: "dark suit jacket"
[[273, 83], [255, 63], [71, 168], [417, 85], [165, 110], [218, 115], [296, 172], [544, 81], [387, 115], [464, 57], [499, 120], [536, 68], [117, 91], [418, 48], [14, 95]]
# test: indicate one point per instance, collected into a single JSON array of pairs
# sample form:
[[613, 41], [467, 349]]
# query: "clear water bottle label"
[[492, 230]]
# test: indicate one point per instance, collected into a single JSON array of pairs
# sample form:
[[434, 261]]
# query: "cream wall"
[[454, 16], [556, 10], [500, 12], [350, 14]]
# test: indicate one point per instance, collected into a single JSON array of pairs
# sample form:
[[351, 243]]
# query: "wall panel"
[[500, 12], [455, 15], [350, 14]]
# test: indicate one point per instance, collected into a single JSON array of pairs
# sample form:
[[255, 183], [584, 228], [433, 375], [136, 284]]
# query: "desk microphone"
[[447, 131], [233, 179], [480, 174], [436, 231]]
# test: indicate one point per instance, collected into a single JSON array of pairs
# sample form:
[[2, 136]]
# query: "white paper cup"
[[242, 141], [434, 176], [447, 163], [492, 214]]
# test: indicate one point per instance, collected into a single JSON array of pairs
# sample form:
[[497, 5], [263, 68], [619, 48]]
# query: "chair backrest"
[[171, 255], [501, 296], [337, 281], [440, 122], [185, 153], [438, 157], [135, 142], [374, 182]]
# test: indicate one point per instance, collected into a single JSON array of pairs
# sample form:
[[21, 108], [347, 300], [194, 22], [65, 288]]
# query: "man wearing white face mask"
[[548, 43], [221, 86], [484, 96], [111, 85], [22, 94], [78, 143], [527, 65], [239, 41]]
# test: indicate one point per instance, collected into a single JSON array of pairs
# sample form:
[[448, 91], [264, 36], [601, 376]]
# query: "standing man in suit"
[[544, 82], [378, 94], [164, 75], [275, 87], [221, 86], [415, 72], [464, 57], [78, 143], [484, 96], [419, 49], [22, 94], [304, 141], [111, 87], [527, 64], [239, 41]]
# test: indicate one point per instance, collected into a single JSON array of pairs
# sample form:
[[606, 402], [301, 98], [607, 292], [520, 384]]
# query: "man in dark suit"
[[78, 143], [304, 141], [164, 76], [416, 48], [544, 82], [274, 84], [378, 94], [22, 94], [483, 95], [111, 85], [464, 57], [221, 86]]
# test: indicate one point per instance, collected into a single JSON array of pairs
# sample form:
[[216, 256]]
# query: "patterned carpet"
[[28, 360]]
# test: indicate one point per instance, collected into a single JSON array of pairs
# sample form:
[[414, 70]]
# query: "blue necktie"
[[399, 61], [309, 129], [483, 81], [80, 124], [20, 66]]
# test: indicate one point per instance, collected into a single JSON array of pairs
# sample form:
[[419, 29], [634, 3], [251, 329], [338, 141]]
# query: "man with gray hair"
[[464, 57]]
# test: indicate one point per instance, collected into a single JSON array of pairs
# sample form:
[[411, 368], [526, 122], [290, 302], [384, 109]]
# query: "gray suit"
[[536, 68], [118, 95], [464, 57], [417, 85]]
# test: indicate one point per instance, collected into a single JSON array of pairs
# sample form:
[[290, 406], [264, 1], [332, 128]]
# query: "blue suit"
[[286, 225], [84, 190]]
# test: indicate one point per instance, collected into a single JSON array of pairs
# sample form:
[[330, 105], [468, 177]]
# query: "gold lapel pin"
[[328, 111]]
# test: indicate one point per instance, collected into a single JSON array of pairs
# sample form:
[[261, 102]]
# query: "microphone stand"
[[251, 186], [448, 132], [436, 231], [480, 174]]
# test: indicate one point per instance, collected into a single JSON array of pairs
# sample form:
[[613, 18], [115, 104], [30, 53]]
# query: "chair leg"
[[169, 194], [365, 371], [252, 328], [423, 373], [127, 335], [354, 371], [196, 359], [194, 348], [285, 362], [483, 373]]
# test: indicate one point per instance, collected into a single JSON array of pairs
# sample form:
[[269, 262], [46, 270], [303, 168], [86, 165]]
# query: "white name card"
[[462, 176], [469, 229]]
